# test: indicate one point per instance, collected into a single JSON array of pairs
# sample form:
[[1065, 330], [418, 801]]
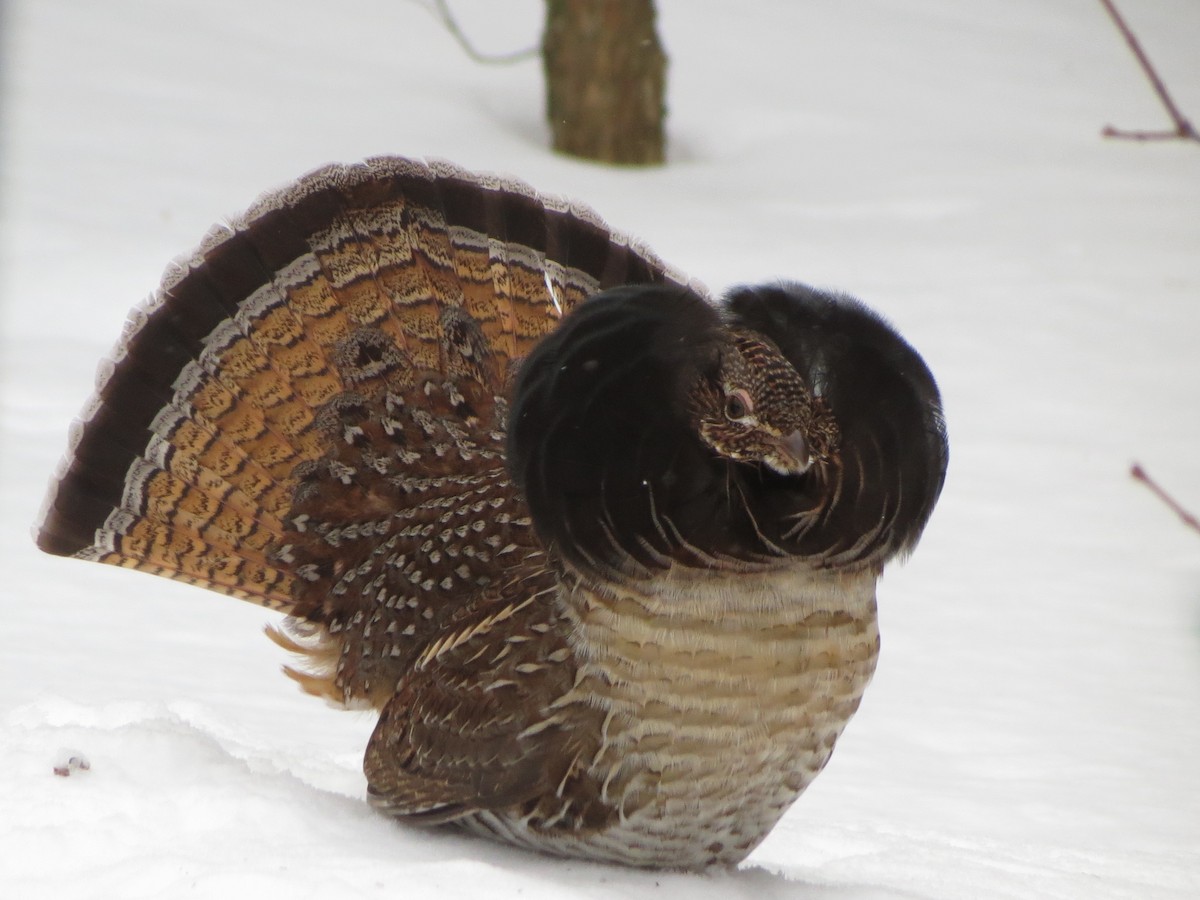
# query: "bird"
[[598, 547]]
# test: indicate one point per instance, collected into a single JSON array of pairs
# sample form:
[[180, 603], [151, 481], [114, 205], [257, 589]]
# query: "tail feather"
[[249, 364]]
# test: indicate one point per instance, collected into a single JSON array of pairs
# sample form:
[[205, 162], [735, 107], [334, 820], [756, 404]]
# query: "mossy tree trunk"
[[605, 80]]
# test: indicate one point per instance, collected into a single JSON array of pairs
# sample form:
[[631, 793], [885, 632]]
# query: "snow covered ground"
[[1034, 725]]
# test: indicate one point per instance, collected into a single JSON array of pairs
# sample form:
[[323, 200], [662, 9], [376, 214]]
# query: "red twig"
[[1183, 128], [1139, 474]]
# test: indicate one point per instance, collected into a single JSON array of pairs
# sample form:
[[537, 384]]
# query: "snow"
[[1033, 727]]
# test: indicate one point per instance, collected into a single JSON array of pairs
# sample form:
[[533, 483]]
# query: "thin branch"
[[1183, 128], [1139, 474], [441, 9]]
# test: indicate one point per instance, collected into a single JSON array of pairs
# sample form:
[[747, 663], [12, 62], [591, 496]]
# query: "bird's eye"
[[738, 405]]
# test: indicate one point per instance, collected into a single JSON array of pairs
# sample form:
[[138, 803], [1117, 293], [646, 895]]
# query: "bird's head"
[[653, 428], [756, 409]]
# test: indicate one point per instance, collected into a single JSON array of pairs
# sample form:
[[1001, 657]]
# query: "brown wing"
[[468, 727]]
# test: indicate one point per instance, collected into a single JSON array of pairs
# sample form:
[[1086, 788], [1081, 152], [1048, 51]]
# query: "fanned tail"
[[243, 373]]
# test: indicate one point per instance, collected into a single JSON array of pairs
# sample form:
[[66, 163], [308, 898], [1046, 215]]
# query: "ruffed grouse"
[[600, 549]]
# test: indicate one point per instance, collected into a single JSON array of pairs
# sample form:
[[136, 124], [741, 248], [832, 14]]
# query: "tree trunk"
[[605, 80]]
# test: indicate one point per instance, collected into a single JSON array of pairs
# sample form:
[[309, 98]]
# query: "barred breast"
[[721, 701]]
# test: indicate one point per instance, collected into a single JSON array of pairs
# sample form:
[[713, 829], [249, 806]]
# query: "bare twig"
[[1183, 128], [1139, 474], [441, 9]]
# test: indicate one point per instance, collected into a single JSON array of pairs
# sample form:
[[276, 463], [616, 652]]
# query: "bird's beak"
[[797, 445], [794, 458]]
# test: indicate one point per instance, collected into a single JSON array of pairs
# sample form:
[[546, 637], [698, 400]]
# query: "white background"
[[1034, 726]]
